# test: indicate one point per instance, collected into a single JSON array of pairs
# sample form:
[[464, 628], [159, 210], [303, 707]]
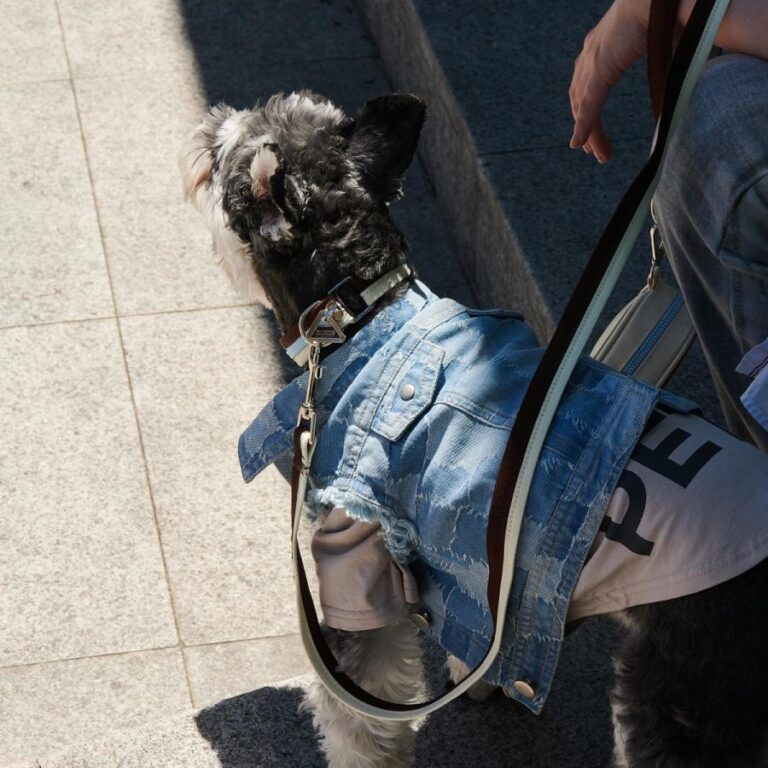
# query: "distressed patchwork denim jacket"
[[416, 411]]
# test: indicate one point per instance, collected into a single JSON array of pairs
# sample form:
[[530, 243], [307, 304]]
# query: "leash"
[[662, 21], [537, 409]]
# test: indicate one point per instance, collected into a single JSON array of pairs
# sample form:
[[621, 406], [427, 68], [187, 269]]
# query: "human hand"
[[609, 50]]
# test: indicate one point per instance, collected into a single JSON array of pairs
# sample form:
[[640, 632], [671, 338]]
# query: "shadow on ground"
[[248, 51], [266, 728]]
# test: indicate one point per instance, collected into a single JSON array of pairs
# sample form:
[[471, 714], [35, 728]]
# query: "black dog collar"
[[329, 316]]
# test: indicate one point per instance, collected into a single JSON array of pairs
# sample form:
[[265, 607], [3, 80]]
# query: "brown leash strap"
[[661, 37], [540, 384]]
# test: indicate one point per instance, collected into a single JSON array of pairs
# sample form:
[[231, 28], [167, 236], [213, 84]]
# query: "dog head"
[[295, 192]]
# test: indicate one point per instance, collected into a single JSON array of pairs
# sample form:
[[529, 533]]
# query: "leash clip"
[[325, 328], [307, 411], [321, 325]]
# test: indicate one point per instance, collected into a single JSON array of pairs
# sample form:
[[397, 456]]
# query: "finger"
[[587, 104], [582, 127], [600, 143], [574, 96]]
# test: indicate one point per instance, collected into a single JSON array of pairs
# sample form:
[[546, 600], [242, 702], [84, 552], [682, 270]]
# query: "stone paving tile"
[[80, 569], [262, 728], [46, 707], [130, 36], [173, 742], [220, 671], [51, 261], [158, 250], [31, 48], [153, 36], [199, 378]]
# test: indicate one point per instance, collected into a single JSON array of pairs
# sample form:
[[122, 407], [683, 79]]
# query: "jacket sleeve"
[[361, 586]]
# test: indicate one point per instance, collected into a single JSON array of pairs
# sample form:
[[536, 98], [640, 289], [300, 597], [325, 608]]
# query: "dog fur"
[[295, 194]]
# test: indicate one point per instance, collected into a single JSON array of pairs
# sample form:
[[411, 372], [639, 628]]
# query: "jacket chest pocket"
[[412, 378]]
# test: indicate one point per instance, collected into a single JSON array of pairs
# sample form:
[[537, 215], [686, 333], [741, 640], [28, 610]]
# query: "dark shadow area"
[[512, 70], [265, 728], [249, 50]]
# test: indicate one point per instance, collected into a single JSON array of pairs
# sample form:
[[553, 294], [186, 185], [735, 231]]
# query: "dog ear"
[[265, 170], [269, 180], [383, 142]]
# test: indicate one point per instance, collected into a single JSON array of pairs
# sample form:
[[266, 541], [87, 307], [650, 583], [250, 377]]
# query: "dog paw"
[[457, 670], [481, 691]]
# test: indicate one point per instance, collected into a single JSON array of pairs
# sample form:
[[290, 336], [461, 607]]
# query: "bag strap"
[[538, 406], [661, 36]]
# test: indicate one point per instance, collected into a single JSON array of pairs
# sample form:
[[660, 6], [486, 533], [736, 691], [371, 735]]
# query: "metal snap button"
[[407, 391], [419, 616], [524, 688]]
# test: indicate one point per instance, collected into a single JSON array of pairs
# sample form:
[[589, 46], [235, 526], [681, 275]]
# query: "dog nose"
[[407, 391]]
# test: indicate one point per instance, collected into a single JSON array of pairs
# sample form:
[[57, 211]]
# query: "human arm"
[[619, 40]]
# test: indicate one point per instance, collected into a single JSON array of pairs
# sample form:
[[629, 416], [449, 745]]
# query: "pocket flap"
[[411, 391]]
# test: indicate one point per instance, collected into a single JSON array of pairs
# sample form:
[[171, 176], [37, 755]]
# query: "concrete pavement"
[[139, 577]]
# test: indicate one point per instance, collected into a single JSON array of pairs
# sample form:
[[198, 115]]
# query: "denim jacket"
[[416, 411]]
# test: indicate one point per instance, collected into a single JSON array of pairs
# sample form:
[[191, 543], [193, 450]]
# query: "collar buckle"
[[326, 327], [324, 321]]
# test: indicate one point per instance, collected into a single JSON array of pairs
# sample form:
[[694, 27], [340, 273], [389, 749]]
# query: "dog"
[[295, 194]]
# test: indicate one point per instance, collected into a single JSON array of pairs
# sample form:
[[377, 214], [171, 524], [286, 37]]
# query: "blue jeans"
[[712, 210]]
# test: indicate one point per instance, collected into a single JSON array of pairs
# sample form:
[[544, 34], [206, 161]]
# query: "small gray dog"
[[295, 194]]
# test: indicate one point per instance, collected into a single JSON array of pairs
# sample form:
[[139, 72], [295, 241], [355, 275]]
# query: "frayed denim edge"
[[400, 536]]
